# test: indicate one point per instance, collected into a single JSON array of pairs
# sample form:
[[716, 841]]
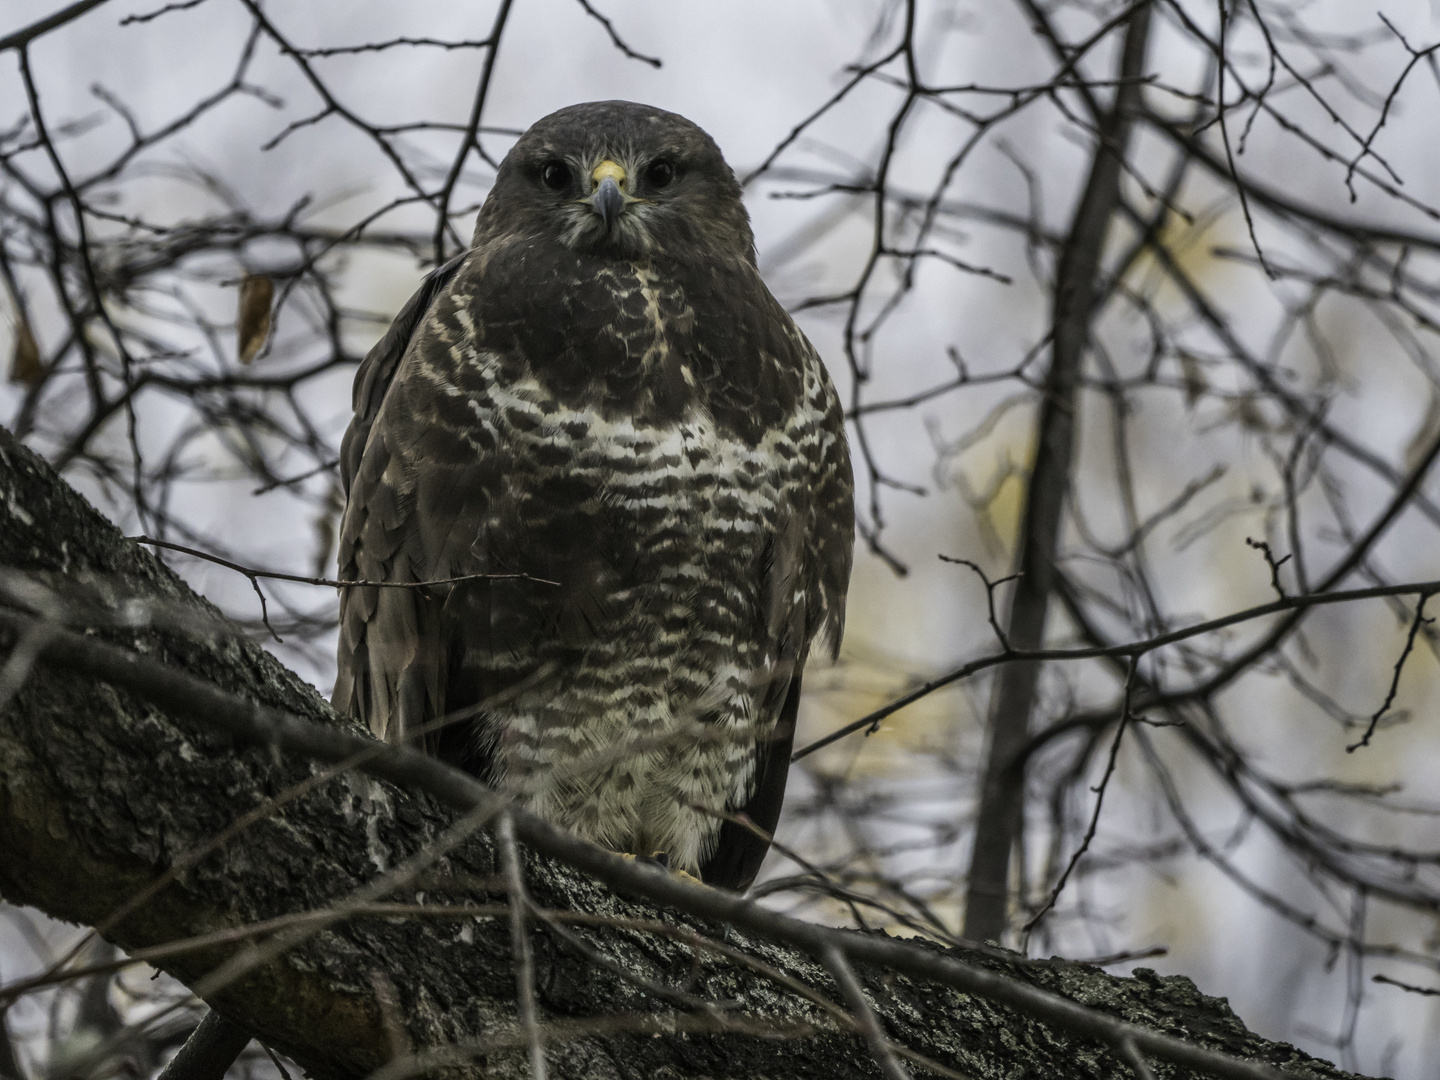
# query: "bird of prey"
[[601, 399]]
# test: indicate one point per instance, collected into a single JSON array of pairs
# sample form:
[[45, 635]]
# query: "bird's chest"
[[683, 494]]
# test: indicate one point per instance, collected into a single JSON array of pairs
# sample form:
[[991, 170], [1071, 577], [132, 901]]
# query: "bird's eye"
[[556, 176], [660, 173]]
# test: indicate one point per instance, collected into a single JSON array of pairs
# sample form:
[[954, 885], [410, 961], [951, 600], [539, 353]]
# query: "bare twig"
[[22, 37], [331, 583], [1410, 988], [865, 1017], [1099, 790], [1273, 563], [211, 1049], [615, 38], [1416, 624], [990, 587], [1124, 651], [520, 944]]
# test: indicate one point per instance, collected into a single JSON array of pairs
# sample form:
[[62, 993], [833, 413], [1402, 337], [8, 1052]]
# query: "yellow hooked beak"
[[608, 199]]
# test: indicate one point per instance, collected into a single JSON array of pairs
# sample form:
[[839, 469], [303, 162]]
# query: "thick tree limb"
[[101, 791], [1076, 280]]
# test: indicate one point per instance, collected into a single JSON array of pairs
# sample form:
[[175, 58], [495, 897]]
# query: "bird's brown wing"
[[376, 371], [433, 495], [373, 531], [806, 572], [739, 851]]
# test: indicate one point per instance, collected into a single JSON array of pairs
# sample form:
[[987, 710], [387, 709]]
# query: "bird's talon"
[[662, 860]]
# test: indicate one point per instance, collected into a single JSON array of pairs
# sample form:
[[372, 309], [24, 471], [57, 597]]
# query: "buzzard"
[[601, 404]]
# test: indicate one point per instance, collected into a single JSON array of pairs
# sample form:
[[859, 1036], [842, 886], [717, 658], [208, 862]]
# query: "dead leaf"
[[1246, 409], [1193, 374], [25, 366], [257, 293]]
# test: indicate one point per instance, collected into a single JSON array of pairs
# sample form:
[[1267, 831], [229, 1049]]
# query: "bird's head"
[[614, 177]]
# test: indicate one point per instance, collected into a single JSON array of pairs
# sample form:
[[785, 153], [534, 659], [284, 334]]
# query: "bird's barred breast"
[[662, 536]]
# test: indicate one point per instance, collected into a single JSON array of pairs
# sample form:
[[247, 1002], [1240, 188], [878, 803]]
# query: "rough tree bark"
[[100, 793]]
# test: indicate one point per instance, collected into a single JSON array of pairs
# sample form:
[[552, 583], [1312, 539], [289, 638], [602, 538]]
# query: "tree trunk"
[[100, 792], [1002, 791]]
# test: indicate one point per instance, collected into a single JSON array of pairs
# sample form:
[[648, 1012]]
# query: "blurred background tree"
[[1137, 300]]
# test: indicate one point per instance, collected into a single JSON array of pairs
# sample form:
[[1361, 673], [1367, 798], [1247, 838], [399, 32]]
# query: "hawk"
[[601, 400]]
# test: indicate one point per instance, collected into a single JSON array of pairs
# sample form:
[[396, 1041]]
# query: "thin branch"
[[20, 38], [615, 38], [209, 1051], [990, 587], [382, 46], [520, 943], [1225, 139], [470, 140], [1415, 625], [1136, 1060], [1273, 563], [332, 583], [1409, 988], [1099, 802], [865, 1017], [1129, 649]]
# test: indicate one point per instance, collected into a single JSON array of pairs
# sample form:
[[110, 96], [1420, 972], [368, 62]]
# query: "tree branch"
[[25, 35], [211, 1049], [129, 746], [999, 818]]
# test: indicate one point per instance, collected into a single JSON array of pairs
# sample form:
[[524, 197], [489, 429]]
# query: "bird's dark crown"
[[677, 197]]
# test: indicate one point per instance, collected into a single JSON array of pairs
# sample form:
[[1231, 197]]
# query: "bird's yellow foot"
[[661, 859]]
